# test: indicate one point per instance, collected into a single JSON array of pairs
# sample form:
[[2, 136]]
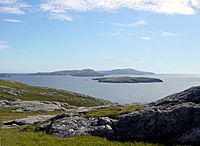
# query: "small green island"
[[128, 80]]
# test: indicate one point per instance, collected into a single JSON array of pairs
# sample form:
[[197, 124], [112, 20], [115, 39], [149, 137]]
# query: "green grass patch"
[[112, 112], [32, 93], [18, 137]]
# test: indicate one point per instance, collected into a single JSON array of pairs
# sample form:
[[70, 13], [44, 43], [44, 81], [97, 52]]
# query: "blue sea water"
[[115, 92]]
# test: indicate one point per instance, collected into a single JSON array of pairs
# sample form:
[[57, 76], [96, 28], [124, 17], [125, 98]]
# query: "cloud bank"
[[60, 8], [13, 7]]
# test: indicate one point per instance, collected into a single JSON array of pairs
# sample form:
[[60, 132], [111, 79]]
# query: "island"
[[128, 80]]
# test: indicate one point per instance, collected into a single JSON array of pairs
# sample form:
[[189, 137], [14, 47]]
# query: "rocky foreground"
[[175, 118]]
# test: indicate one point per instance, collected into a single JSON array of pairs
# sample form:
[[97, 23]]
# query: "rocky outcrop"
[[176, 118], [75, 125], [22, 106], [30, 120], [191, 137]]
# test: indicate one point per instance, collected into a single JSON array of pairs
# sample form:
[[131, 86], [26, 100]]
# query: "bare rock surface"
[[75, 125], [22, 106], [30, 120], [176, 118]]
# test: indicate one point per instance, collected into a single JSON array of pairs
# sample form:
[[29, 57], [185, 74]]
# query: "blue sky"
[[153, 35]]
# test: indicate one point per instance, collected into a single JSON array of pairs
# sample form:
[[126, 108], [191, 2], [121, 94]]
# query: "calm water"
[[120, 93]]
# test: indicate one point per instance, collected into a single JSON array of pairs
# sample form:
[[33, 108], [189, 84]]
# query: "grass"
[[112, 112], [25, 135], [32, 93], [19, 137]]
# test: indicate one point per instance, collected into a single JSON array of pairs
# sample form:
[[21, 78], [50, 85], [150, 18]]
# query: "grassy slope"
[[18, 137], [112, 112], [46, 94]]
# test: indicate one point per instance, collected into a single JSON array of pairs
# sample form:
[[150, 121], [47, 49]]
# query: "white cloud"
[[196, 3], [134, 24], [183, 7], [3, 46], [115, 35], [109, 34], [61, 16], [12, 20], [12, 7], [7, 1], [11, 10], [168, 34], [146, 38]]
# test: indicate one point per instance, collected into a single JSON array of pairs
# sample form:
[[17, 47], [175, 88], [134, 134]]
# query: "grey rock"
[[168, 118], [70, 126], [31, 120], [43, 127], [104, 121], [22, 106], [103, 131], [13, 92], [190, 137], [75, 125]]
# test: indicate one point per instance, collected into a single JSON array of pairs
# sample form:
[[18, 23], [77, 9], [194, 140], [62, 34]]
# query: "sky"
[[162, 36]]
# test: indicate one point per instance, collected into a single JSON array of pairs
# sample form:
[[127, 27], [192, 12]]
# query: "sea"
[[122, 93]]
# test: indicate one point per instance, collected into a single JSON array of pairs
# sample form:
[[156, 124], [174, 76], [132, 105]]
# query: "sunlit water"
[[115, 92]]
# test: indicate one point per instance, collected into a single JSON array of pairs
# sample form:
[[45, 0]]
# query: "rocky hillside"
[[174, 119]]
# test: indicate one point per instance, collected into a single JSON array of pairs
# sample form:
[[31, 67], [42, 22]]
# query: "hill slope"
[[124, 71], [84, 72], [16, 90]]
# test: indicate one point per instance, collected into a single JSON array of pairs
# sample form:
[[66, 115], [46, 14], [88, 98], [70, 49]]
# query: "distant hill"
[[84, 72], [124, 71], [91, 73]]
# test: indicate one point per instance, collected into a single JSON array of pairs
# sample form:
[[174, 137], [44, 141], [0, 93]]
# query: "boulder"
[[76, 125], [191, 137], [173, 118]]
